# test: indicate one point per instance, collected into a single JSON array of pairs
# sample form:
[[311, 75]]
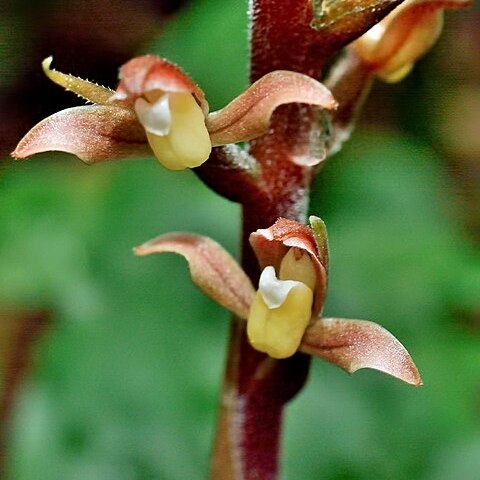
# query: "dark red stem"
[[257, 388]]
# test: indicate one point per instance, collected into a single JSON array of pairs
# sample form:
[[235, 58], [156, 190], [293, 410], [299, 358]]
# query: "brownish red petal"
[[151, 73]]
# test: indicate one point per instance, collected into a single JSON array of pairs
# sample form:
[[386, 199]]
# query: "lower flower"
[[285, 314]]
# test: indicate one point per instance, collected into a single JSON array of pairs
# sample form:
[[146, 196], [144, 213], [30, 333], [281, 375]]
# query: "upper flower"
[[391, 47], [157, 108], [285, 314]]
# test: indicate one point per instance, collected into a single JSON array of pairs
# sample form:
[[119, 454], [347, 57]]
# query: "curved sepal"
[[92, 133], [356, 344], [83, 88], [248, 115], [212, 269]]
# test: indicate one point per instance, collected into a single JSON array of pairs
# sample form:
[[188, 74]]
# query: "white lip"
[[274, 291], [155, 117]]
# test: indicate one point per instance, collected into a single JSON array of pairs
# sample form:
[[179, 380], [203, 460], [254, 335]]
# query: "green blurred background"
[[125, 383]]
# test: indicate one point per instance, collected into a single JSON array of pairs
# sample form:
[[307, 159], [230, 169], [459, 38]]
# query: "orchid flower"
[[284, 315], [158, 109], [392, 46]]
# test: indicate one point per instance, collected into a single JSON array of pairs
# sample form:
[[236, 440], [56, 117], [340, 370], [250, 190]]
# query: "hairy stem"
[[257, 388]]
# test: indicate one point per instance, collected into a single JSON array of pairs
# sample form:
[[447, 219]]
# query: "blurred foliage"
[[126, 384]]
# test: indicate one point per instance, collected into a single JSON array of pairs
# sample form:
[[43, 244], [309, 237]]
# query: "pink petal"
[[271, 244], [248, 116], [149, 73], [356, 344], [92, 133], [212, 269]]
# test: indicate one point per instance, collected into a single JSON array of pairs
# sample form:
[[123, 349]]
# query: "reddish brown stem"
[[256, 387]]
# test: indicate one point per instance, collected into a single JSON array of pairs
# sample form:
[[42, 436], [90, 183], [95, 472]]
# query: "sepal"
[[90, 91], [92, 133], [248, 115], [356, 344], [212, 269], [147, 74]]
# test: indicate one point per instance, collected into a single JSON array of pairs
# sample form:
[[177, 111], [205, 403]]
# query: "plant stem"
[[256, 387]]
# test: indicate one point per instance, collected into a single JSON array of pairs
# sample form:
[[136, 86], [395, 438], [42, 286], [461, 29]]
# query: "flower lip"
[[155, 117], [151, 73], [274, 291]]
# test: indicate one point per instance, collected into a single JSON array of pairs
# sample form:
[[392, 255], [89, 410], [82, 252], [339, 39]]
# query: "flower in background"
[[392, 46], [158, 109]]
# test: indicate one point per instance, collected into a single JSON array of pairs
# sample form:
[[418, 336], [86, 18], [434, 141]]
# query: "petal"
[[92, 133], [212, 269], [356, 344], [83, 88], [248, 116], [149, 73], [272, 244]]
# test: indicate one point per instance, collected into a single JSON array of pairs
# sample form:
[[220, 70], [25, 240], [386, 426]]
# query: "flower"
[[284, 315], [392, 46], [292, 285], [158, 109]]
